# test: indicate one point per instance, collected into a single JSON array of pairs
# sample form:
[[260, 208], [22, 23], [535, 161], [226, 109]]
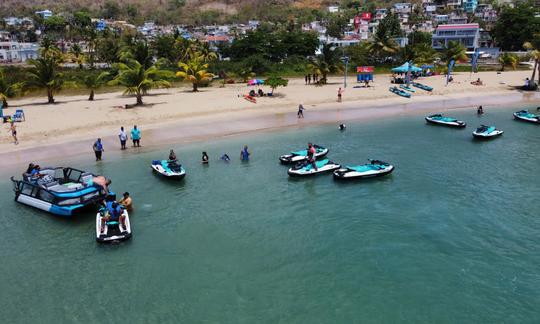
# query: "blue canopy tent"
[[405, 68]]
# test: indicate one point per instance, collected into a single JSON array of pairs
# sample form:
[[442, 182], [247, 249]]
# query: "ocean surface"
[[452, 236]]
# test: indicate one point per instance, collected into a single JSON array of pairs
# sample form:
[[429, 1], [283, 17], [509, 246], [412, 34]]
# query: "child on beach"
[[300, 112], [13, 130], [339, 94]]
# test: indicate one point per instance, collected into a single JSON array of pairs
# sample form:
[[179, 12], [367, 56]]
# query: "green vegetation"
[[508, 59], [515, 26], [138, 80], [275, 81], [195, 70]]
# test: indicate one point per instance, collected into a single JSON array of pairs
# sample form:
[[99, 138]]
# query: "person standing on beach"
[[339, 94], [300, 112], [98, 149], [123, 138], [309, 79], [136, 136], [13, 131], [306, 78]]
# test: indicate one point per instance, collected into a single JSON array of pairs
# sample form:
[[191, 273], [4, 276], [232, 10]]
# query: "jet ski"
[[375, 168], [306, 169], [399, 92], [487, 132], [301, 156], [525, 115], [113, 231], [407, 88], [422, 86], [169, 169], [446, 121]]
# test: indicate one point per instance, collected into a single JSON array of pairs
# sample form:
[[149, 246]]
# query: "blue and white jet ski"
[[439, 119], [487, 132], [169, 169], [301, 156], [525, 115], [306, 169], [375, 168], [59, 190]]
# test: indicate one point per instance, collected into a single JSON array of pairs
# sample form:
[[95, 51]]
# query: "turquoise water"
[[451, 236]]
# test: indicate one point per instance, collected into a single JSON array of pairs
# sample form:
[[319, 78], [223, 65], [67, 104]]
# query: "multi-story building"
[[402, 8], [15, 52], [466, 34]]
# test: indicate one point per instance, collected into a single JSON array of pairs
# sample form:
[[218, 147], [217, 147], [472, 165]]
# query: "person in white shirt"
[[123, 138]]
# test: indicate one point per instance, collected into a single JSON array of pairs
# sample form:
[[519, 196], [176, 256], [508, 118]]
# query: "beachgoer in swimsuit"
[[172, 156], [225, 157], [126, 201], [204, 158], [300, 112], [244, 154], [311, 156], [13, 130]]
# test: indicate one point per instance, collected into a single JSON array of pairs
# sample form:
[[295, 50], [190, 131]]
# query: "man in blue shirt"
[[98, 149], [136, 136]]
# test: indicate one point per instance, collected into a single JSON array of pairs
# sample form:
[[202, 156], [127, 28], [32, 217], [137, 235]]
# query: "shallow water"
[[450, 237]]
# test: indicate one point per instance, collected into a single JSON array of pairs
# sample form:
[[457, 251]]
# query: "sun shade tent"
[[405, 68], [255, 82]]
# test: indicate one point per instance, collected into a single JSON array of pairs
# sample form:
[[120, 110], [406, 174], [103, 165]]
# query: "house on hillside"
[[466, 34], [15, 52], [44, 13]]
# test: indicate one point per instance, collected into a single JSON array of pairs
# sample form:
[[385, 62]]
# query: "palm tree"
[[454, 51], [195, 69], [138, 80], [45, 74], [93, 81], [508, 59], [7, 90], [320, 67], [534, 47], [77, 55], [424, 54], [382, 47]]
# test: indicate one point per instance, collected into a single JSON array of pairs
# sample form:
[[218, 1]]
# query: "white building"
[[15, 52], [333, 9], [44, 13], [402, 8]]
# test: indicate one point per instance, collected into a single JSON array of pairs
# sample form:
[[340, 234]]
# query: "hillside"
[[167, 10]]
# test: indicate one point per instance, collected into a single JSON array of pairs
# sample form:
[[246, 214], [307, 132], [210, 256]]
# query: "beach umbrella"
[[255, 82], [405, 68]]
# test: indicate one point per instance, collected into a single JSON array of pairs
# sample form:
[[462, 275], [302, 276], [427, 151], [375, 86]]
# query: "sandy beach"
[[70, 126]]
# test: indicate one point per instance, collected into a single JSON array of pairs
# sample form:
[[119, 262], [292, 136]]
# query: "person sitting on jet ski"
[[114, 213], [172, 156], [311, 156]]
